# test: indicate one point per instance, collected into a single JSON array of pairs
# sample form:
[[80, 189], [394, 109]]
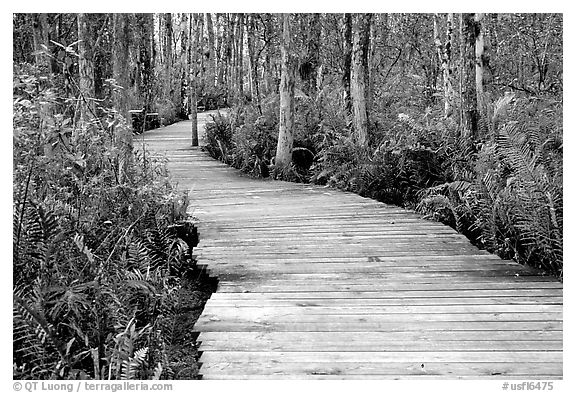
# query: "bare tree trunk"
[[286, 125], [478, 30], [360, 42], [268, 54], [253, 63], [194, 38], [347, 61], [468, 61], [182, 103], [239, 59], [146, 59], [220, 51], [227, 55], [85, 68], [311, 61], [211, 52], [444, 56], [448, 70], [200, 78], [169, 88], [40, 37], [121, 26]]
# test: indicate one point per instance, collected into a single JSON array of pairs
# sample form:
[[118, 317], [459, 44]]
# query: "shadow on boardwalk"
[[320, 283]]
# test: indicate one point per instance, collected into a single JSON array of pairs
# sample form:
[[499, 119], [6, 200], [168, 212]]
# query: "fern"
[[131, 367], [35, 342]]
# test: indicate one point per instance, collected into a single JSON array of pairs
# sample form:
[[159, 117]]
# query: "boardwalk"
[[319, 283]]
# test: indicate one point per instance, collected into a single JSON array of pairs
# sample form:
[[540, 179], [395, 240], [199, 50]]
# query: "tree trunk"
[[253, 62], [347, 61], [145, 25], [183, 68], [40, 38], [101, 56], [193, 72], [468, 61], [169, 88], [200, 66], [220, 51], [286, 125], [480, 48], [444, 56], [85, 68], [227, 55], [211, 53], [311, 61], [269, 86], [371, 66], [120, 59], [360, 45], [239, 63], [448, 70]]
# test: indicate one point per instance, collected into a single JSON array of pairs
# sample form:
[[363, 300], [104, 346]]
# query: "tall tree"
[[311, 61], [239, 58], [227, 55], [167, 37], [269, 53], [220, 29], [40, 37], [468, 76], [144, 59], [347, 61], [253, 61], [211, 52], [360, 46], [120, 60], [444, 51], [479, 51], [182, 103], [193, 74], [85, 67], [286, 124]]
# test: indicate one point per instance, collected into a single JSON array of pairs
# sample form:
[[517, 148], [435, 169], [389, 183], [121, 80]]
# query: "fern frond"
[[132, 366], [157, 372]]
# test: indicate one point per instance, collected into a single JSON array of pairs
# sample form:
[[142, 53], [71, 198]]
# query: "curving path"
[[320, 283]]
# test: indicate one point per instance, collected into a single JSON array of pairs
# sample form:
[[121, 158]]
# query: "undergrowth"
[[98, 255]]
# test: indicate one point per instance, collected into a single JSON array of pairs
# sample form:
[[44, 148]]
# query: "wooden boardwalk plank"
[[323, 284]]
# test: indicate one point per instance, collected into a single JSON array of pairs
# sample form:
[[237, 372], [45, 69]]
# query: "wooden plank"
[[260, 311], [353, 302], [318, 286], [381, 346], [393, 294], [377, 357], [533, 377], [319, 326], [375, 337], [215, 318]]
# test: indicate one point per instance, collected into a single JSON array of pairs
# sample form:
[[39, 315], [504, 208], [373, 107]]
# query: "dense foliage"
[[98, 253]]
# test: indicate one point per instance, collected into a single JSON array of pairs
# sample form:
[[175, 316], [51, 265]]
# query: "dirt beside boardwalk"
[[196, 289]]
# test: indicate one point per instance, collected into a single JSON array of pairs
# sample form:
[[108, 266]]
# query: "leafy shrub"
[[513, 205], [218, 137], [167, 111], [244, 139], [97, 261]]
